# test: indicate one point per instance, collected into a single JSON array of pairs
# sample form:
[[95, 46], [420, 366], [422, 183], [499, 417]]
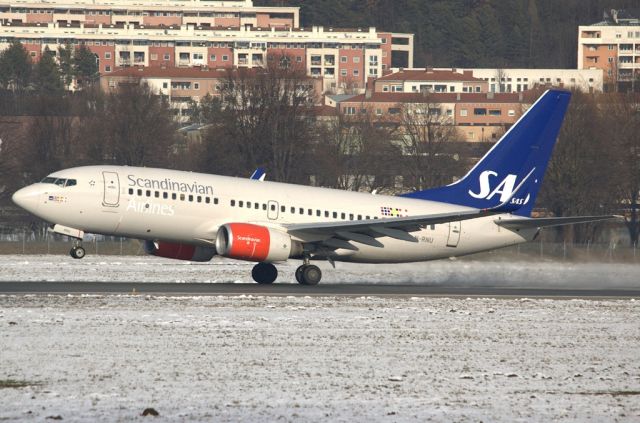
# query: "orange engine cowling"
[[244, 241], [179, 251]]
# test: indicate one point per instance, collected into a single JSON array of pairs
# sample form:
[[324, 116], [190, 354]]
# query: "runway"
[[322, 290]]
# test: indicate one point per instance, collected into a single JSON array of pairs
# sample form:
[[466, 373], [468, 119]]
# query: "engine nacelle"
[[179, 251], [244, 241]]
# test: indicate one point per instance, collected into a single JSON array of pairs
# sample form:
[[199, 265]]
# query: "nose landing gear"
[[77, 252]]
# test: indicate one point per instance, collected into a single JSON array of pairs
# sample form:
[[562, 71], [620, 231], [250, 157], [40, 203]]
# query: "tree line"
[[470, 33]]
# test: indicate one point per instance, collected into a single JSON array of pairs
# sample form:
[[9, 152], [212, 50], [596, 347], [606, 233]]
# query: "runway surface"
[[322, 290]]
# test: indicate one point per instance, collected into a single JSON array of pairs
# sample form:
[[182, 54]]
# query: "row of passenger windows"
[[249, 204], [174, 196], [302, 211]]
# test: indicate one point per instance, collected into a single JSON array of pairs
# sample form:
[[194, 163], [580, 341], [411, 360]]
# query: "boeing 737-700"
[[192, 216]]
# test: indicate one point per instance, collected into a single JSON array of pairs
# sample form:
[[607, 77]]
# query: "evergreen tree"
[[15, 67], [46, 78], [85, 65], [65, 58]]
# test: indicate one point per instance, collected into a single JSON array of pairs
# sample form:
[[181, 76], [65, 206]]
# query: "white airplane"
[[193, 216]]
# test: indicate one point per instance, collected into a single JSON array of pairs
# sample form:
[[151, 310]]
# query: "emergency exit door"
[[111, 189], [454, 234]]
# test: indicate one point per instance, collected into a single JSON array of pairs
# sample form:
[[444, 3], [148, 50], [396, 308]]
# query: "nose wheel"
[[77, 252]]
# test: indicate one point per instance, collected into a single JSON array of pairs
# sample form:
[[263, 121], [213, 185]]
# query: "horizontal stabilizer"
[[550, 221]]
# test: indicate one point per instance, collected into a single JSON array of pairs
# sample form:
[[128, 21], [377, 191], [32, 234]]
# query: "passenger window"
[[359, 217], [165, 195], [140, 192], [240, 203], [182, 197], [256, 206], [273, 207], [368, 218], [301, 210], [71, 183], [174, 196], [282, 209], [326, 213], [148, 193], [433, 227], [350, 216], [335, 215], [264, 206], [293, 210], [207, 200], [130, 191], [248, 204], [344, 216], [310, 212], [199, 199], [215, 200], [233, 203], [157, 194], [191, 198], [318, 213]]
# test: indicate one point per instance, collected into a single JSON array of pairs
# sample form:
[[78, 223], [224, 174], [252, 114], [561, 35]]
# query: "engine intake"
[[244, 241], [179, 251]]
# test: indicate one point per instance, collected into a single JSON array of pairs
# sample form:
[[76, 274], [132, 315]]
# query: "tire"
[[311, 275], [299, 271], [77, 252], [264, 273]]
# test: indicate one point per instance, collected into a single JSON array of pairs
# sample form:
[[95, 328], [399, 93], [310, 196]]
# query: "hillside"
[[470, 33]]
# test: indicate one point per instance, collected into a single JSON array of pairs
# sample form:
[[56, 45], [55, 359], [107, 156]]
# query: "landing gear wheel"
[[309, 274], [299, 271], [264, 273], [77, 252]]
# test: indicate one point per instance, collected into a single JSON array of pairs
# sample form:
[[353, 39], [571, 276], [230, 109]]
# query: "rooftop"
[[429, 74]]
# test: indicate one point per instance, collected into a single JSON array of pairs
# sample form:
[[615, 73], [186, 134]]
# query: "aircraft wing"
[[550, 221], [338, 234]]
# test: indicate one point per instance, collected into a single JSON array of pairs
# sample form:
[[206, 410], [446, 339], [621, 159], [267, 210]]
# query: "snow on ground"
[[443, 272], [107, 358]]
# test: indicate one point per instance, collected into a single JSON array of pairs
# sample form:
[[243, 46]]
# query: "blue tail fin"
[[524, 150]]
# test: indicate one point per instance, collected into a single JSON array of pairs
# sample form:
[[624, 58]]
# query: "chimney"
[[368, 93]]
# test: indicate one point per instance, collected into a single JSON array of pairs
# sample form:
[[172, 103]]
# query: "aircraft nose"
[[27, 198]]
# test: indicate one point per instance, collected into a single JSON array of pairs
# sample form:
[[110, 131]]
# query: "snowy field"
[[107, 358], [467, 272]]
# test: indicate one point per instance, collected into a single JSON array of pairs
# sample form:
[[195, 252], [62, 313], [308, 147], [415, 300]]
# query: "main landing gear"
[[77, 252], [308, 274], [266, 273]]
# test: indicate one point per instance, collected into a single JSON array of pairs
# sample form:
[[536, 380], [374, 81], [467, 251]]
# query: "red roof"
[[430, 75], [438, 98]]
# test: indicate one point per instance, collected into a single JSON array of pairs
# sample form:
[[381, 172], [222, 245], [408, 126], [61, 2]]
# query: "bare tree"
[[425, 131], [266, 119]]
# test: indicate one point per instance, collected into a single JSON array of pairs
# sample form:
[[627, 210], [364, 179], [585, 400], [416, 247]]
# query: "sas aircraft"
[[192, 216]]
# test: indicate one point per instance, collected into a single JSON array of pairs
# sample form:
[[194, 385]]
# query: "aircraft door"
[[272, 210], [454, 234], [111, 189]]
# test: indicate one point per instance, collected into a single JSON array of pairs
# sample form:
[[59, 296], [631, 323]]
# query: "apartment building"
[[477, 116], [215, 34], [478, 80], [430, 80], [182, 86], [612, 46]]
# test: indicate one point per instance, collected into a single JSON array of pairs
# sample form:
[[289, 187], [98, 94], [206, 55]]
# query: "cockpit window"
[[61, 182]]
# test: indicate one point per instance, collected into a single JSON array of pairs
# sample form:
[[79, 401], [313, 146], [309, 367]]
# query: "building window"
[[107, 68], [379, 112], [152, 56], [343, 59], [196, 85], [107, 55], [343, 72], [479, 111], [463, 112], [384, 41], [167, 57], [356, 72], [512, 113], [225, 58], [212, 58], [356, 59], [349, 110]]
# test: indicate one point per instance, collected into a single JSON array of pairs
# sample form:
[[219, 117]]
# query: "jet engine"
[[179, 251], [244, 241]]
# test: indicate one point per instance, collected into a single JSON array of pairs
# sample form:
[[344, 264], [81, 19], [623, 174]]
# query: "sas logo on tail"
[[504, 188]]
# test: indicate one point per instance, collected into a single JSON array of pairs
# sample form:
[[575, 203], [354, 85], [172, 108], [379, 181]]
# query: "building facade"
[[612, 46], [214, 34]]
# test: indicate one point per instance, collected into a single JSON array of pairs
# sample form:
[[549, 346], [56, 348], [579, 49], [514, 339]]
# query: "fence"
[[48, 243]]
